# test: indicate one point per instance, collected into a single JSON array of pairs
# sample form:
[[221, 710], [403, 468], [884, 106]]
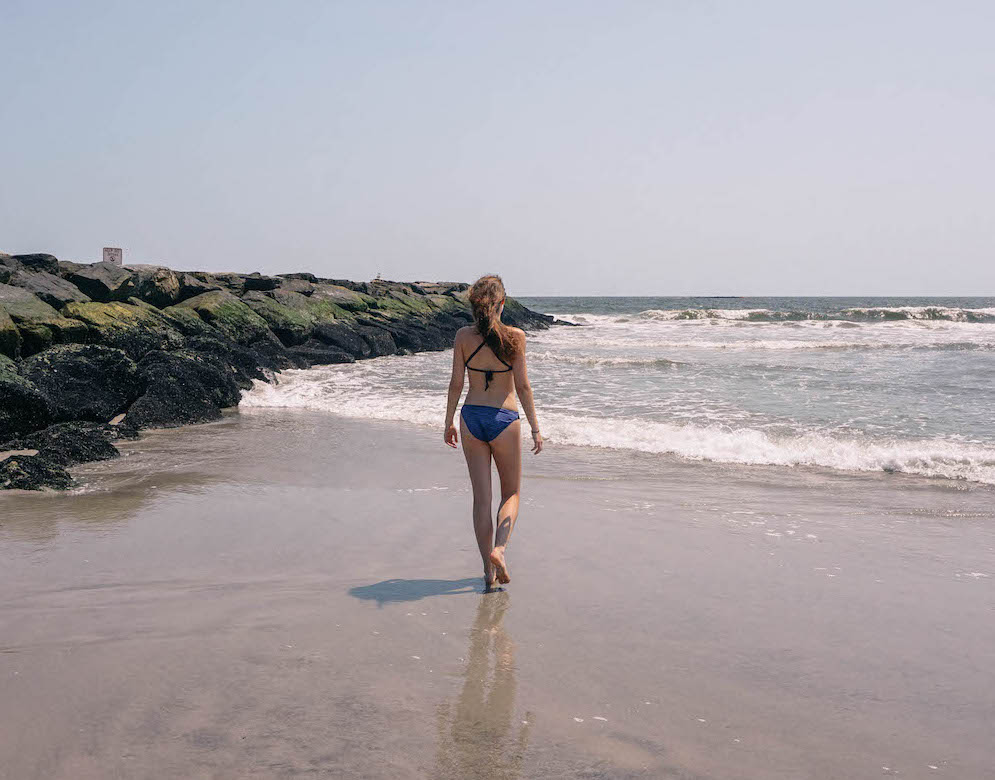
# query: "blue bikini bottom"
[[486, 422]]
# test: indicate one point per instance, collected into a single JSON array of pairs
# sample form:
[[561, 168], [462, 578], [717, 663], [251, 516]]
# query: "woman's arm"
[[455, 390], [524, 390]]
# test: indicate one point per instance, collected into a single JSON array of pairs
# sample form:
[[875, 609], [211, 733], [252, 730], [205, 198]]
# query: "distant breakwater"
[[93, 353]]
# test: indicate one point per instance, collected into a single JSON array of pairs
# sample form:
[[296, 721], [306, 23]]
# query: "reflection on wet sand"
[[476, 738]]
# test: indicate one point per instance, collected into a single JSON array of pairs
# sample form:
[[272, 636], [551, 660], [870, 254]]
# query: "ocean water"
[[904, 385]]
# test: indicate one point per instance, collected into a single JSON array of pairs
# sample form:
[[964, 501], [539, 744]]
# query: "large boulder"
[[135, 326], [8, 267], [23, 407], [67, 268], [229, 315], [412, 334], [192, 284], [318, 354], [342, 297], [33, 472], [277, 355], [256, 281], [287, 317], [156, 285], [189, 323], [72, 443], [296, 285], [47, 263], [52, 289], [182, 388], [519, 316], [244, 362], [105, 281], [85, 381], [359, 340], [39, 325], [344, 337], [10, 339]]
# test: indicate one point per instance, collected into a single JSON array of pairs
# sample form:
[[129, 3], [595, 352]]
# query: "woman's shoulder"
[[464, 334]]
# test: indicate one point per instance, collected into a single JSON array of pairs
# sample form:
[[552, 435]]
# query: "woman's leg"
[[478, 463], [507, 452]]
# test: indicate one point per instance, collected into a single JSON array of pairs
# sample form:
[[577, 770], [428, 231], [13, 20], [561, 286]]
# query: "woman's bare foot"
[[490, 578], [497, 558]]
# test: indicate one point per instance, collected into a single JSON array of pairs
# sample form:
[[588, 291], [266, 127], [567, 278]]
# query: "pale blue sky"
[[573, 147]]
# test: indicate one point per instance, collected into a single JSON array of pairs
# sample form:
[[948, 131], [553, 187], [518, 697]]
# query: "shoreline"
[[90, 354], [215, 603]]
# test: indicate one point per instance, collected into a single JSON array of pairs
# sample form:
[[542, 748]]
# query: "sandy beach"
[[288, 594]]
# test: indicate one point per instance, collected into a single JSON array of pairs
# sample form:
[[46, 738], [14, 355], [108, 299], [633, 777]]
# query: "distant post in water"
[[113, 254]]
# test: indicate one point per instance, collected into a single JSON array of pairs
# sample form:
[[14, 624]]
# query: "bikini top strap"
[[467, 361], [479, 347]]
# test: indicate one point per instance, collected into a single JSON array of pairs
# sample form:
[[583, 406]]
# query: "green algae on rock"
[[230, 315]]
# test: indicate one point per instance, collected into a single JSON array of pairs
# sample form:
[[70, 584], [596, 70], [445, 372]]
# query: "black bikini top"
[[487, 372]]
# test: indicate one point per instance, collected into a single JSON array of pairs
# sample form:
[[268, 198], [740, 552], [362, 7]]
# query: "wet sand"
[[288, 595]]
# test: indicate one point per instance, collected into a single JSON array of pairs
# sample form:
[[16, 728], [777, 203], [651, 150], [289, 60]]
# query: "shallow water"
[[862, 384]]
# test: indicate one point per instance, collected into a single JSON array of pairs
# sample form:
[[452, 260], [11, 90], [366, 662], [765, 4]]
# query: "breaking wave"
[[875, 314], [352, 396]]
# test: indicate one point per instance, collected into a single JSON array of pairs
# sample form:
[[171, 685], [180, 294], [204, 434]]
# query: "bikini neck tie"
[[488, 376]]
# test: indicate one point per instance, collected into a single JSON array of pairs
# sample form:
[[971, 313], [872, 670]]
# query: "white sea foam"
[[879, 313], [352, 395], [584, 360]]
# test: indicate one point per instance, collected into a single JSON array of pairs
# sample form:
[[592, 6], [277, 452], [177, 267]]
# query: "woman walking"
[[489, 423]]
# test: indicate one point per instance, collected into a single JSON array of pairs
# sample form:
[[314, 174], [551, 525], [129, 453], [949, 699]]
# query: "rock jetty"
[[93, 353]]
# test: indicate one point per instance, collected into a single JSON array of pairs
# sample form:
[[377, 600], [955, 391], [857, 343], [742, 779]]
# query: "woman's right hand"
[[451, 435], [536, 442]]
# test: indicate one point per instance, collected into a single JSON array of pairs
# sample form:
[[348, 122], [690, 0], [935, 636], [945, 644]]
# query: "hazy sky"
[[574, 147]]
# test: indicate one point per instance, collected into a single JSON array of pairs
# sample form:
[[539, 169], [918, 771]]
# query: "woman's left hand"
[[451, 436]]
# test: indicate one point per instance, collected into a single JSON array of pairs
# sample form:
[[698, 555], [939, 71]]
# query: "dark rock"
[[8, 267], [360, 287], [67, 268], [136, 327], [300, 275], [182, 388], [85, 381], [52, 289], [229, 315], [346, 338], [23, 407], [233, 283], [245, 363], [319, 354], [33, 472], [519, 316], [301, 286], [277, 355], [413, 336], [70, 443], [10, 339], [196, 284], [257, 281], [156, 285], [105, 282], [380, 340], [47, 263]]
